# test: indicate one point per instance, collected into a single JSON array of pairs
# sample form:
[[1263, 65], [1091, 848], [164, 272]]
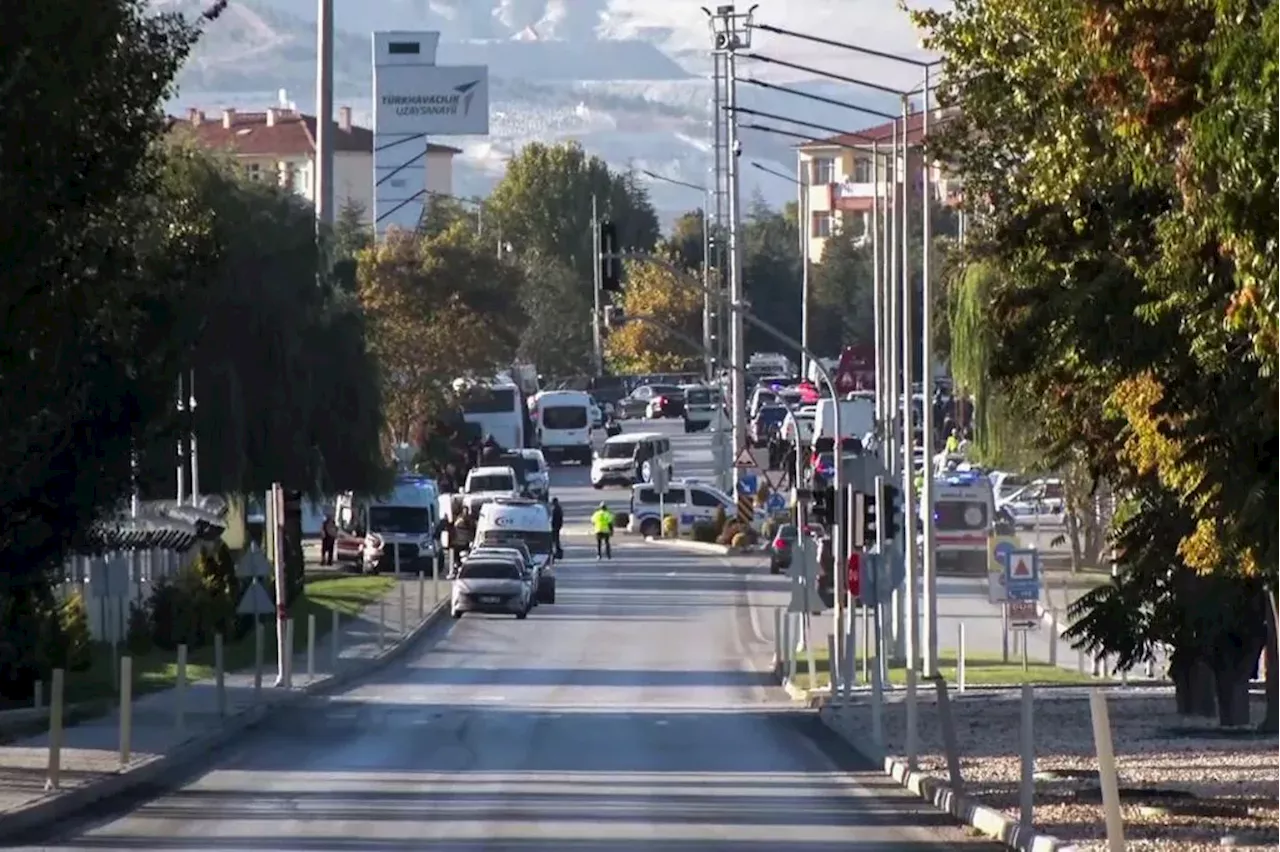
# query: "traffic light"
[[891, 514], [862, 519], [610, 263], [823, 509]]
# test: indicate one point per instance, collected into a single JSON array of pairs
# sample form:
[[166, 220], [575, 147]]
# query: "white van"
[[505, 521], [562, 420], [688, 500], [614, 464], [964, 519], [857, 418], [374, 532], [701, 402], [489, 483]]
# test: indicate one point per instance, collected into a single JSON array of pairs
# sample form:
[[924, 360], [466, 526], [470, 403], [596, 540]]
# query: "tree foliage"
[[842, 310], [1119, 162], [771, 274], [439, 308], [644, 347], [557, 318], [543, 205]]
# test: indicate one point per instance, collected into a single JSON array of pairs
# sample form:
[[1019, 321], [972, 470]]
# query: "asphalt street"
[[634, 714]]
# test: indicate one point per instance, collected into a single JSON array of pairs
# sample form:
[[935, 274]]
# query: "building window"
[[255, 171], [862, 170], [824, 171], [821, 224], [302, 180]]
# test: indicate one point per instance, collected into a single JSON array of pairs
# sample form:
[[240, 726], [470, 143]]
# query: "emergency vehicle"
[[963, 521]]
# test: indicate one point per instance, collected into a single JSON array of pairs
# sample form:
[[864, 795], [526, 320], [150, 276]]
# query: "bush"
[[216, 568], [670, 527], [73, 618], [731, 529], [137, 637], [718, 520], [740, 541], [769, 529], [181, 611], [704, 531]]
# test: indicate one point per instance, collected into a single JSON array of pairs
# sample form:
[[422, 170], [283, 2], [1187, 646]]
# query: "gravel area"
[[1216, 784]]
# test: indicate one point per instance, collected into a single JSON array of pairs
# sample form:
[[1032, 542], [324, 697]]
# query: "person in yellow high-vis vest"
[[602, 525]]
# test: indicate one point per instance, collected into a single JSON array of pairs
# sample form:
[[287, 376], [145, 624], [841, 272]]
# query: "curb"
[[61, 806], [695, 546], [966, 809]]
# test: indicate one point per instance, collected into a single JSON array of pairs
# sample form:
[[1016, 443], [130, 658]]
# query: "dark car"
[[636, 403], [781, 548]]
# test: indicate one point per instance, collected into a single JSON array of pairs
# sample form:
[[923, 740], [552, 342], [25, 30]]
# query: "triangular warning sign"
[[1021, 569], [774, 478], [745, 459]]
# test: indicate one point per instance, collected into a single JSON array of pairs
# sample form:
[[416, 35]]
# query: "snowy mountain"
[[626, 78]]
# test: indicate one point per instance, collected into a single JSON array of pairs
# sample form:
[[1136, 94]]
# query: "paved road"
[[632, 715]]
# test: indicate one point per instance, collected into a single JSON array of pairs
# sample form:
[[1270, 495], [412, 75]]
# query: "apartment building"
[[279, 145], [838, 178]]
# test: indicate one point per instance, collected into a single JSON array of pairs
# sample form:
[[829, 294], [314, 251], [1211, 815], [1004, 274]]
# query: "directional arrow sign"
[[255, 601]]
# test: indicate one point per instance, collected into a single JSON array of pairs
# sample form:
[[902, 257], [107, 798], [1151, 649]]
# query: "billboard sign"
[[435, 100]]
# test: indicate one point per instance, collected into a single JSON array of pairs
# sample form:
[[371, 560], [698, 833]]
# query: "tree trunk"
[[1271, 661], [1193, 684], [1231, 686]]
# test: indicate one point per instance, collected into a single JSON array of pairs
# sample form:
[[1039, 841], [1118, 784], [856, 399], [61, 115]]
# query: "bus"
[[497, 408]]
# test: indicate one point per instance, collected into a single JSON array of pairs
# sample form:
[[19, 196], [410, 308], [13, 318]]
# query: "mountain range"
[[628, 79]]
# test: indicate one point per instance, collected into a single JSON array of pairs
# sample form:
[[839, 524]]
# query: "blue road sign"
[[1022, 575], [1002, 551], [748, 483], [776, 502]]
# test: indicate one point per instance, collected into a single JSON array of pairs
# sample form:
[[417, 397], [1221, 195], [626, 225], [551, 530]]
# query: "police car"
[[687, 500]]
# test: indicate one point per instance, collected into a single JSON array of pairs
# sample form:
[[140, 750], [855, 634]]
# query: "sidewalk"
[[91, 749]]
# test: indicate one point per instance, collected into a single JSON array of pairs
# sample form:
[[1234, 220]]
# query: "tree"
[[842, 310], [640, 347], [97, 259], [351, 234], [771, 273], [286, 389], [557, 308], [439, 308], [1131, 221], [685, 242], [543, 205]]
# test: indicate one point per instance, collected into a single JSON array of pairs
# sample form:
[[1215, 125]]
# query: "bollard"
[[422, 595], [1149, 669], [404, 611], [382, 624], [866, 644], [180, 691], [219, 674], [950, 745], [334, 641], [835, 671], [1004, 633], [791, 646], [38, 695], [435, 580], [1080, 666], [54, 777], [1028, 792], [960, 662], [395, 552], [1053, 638], [126, 709], [311, 648], [777, 639], [288, 653], [913, 721], [258, 641], [1106, 770], [877, 708], [1124, 677]]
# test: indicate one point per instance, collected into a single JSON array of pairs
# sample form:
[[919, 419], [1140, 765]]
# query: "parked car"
[[667, 404]]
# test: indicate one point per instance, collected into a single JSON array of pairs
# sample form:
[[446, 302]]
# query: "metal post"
[[54, 777], [335, 651], [180, 691], [802, 215], [913, 720], [960, 665], [324, 114], [1027, 799], [1113, 817], [126, 710], [908, 431], [422, 593], [717, 122], [195, 451], [403, 628], [259, 640], [926, 391], [182, 447], [706, 285], [219, 674], [893, 311], [882, 408], [288, 654], [597, 338], [737, 354], [395, 556], [311, 647], [382, 624], [275, 516]]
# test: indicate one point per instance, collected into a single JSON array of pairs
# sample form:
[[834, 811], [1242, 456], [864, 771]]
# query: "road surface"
[[632, 715]]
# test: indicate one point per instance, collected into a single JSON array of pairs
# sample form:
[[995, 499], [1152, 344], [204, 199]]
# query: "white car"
[[537, 474], [1042, 503], [688, 501], [489, 483], [492, 584]]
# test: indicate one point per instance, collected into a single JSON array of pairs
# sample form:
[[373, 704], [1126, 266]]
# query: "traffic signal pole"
[[597, 339]]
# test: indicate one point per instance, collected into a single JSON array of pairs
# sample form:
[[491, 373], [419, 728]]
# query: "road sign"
[[776, 502], [746, 459], [775, 478], [1023, 615], [845, 380], [998, 558], [748, 483], [255, 601], [1022, 575], [253, 564]]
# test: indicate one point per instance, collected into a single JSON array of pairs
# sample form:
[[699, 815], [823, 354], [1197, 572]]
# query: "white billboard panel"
[[437, 100]]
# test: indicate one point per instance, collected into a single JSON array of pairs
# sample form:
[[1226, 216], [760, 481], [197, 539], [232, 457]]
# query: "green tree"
[[685, 242], [543, 204], [842, 296], [97, 261], [771, 274], [557, 330], [352, 233], [642, 347]]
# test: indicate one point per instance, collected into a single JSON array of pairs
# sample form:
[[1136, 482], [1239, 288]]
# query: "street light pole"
[[908, 414], [597, 342], [877, 297], [926, 391], [802, 225], [324, 114]]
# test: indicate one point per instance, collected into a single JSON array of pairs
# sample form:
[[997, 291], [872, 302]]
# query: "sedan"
[[490, 585], [636, 403], [666, 405]]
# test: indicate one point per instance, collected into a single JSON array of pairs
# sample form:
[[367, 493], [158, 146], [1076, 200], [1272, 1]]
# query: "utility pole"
[[908, 431], [324, 115], [721, 156], [195, 453], [802, 214], [182, 445], [926, 375], [882, 408], [706, 287], [597, 341], [731, 32]]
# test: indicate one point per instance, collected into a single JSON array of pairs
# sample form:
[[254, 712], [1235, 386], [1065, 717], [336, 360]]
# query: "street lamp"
[[706, 263], [802, 226]]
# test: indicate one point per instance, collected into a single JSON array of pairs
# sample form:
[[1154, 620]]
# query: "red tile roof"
[[882, 133], [283, 133]]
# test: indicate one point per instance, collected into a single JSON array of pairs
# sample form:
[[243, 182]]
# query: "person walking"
[[602, 524], [557, 521], [328, 538]]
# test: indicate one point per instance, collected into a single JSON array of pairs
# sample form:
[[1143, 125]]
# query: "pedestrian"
[[328, 538], [557, 521], [602, 524], [490, 452]]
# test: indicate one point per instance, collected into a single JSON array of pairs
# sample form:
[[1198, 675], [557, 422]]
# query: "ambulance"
[[964, 515]]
